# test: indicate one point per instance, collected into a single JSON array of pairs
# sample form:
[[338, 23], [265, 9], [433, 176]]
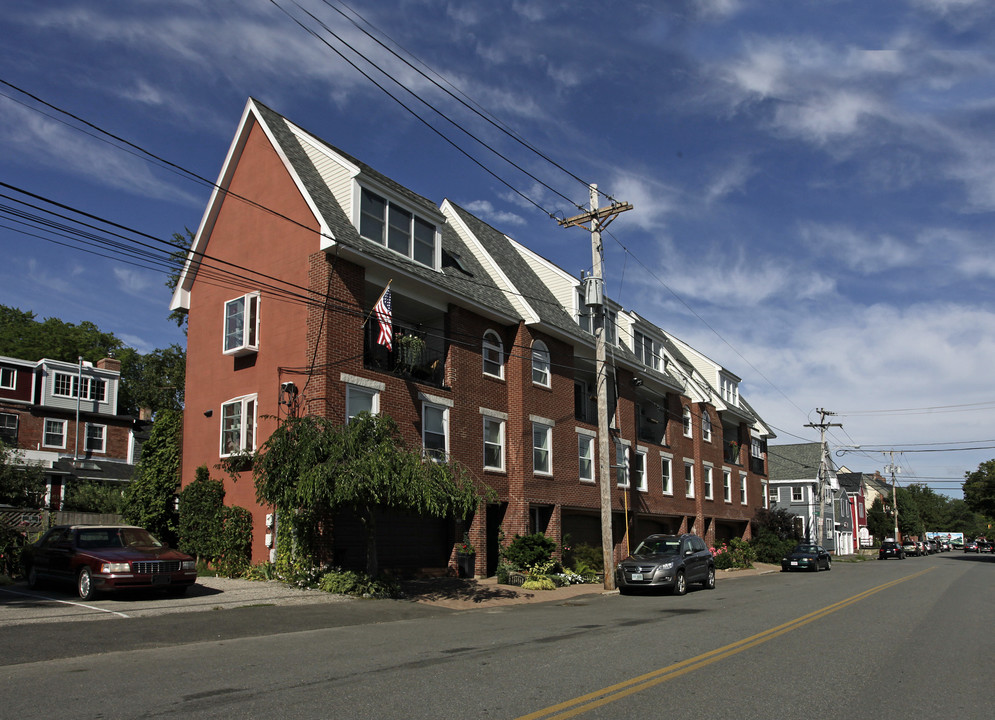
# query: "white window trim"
[[727, 485], [251, 311], [103, 438], [641, 475], [687, 423], [244, 425], [93, 389], [44, 432], [743, 491], [544, 365], [488, 420], [536, 424], [689, 487], [622, 449], [668, 488], [708, 482], [498, 347], [445, 430], [383, 241], [374, 393], [706, 426], [583, 436], [10, 373]]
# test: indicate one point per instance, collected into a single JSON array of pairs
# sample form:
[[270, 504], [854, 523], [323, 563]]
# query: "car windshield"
[[93, 538], [654, 546], [807, 549]]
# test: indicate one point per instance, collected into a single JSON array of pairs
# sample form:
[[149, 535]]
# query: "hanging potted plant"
[[412, 350]]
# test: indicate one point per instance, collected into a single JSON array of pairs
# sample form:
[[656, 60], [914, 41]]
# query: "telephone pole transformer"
[[594, 299], [823, 469]]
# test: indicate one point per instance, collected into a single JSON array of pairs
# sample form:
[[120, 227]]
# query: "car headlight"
[[188, 565], [666, 566], [108, 568]]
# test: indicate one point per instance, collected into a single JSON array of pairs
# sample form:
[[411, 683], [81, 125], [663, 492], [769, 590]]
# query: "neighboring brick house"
[[64, 417], [492, 361]]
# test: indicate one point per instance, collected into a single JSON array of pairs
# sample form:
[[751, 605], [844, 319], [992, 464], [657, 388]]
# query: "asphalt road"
[[892, 639]]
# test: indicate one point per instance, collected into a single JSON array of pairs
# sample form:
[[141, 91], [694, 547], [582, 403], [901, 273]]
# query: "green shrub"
[[585, 559], [348, 582], [770, 549], [234, 541], [526, 551], [734, 554]]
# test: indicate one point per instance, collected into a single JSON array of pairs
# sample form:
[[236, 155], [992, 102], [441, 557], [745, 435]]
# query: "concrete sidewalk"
[[467, 594]]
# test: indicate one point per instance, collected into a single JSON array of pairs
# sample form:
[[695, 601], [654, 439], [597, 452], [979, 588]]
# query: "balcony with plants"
[[414, 355]]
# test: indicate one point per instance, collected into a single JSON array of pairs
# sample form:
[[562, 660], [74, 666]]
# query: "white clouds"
[[860, 252], [828, 116], [498, 218], [136, 283]]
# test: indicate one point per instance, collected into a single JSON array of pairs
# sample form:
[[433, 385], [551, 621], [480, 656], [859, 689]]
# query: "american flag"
[[382, 311]]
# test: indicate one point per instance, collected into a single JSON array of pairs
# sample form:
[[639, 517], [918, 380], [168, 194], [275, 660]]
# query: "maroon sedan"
[[107, 557]]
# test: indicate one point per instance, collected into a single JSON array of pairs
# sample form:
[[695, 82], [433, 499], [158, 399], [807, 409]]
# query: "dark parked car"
[[807, 557], [971, 546], [890, 549], [667, 561], [984, 546], [106, 557]]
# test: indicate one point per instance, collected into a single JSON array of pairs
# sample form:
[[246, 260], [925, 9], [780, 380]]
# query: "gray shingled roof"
[[794, 462], [850, 481], [474, 284]]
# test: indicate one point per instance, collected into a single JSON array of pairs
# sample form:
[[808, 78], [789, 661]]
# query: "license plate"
[[637, 576], [160, 579], [794, 562]]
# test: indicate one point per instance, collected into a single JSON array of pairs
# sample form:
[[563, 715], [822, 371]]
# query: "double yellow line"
[[613, 693]]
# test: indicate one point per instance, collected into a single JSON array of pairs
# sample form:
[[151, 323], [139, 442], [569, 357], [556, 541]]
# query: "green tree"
[[23, 336], [979, 489], [155, 380], [879, 522], [178, 258], [22, 484], [202, 504], [310, 468], [149, 500], [93, 496]]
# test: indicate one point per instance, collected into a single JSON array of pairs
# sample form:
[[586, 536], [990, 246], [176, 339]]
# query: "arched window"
[[706, 426], [540, 363], [493, 352], [687, 421]]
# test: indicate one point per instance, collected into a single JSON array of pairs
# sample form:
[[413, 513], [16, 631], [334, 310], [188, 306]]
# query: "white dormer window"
[[242, 325], [730, 390], [400, 230], [706, 426], [67, 385], [648, 351]]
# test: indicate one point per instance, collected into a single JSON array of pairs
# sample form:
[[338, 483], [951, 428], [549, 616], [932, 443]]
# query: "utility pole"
[[822, 425], [594, 297], [892, 468]]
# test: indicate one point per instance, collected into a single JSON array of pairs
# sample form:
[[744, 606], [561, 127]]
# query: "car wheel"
[[33, 582], [622, 590], [829, 564], [680, 584], [709, 582], [84, 585]]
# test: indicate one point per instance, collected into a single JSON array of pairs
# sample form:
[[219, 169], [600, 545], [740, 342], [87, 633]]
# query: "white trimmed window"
[[689, 480], [648, 351], [611, 327], [55, 433], [388, 224], [96, 438], [637, 467], [707, 482], [667, 474], [435, 431], [540, 363], [238, 426], [493, 354], [727, 486], [742, 491], [493, 443], [67, 385], [687, 421], [706, 426], [729, 389], [622, 465], [8, 378], [360, 399], [796, 493], [585, 457], [542, 449], [242, 325]]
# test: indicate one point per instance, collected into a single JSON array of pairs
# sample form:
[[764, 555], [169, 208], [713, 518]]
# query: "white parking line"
[[64, 602]]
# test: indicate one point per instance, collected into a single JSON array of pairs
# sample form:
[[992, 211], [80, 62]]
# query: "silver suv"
[[667, 561]]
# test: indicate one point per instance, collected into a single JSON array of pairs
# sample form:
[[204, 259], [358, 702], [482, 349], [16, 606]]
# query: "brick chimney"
[[109, 364]]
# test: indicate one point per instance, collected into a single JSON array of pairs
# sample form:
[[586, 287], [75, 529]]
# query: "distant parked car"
[[890, 549], [911, 548], [106, 557], [984, 546], [970, 546], [667, 561], [807, 557]]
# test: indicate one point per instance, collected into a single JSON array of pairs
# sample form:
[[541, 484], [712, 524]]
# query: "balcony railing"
[[757, 465], [409, 358]]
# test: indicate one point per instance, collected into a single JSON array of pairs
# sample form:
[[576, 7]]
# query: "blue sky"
[[813, 183]]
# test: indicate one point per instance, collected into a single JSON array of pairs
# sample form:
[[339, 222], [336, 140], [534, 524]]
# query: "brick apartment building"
[[492, 360], [64, 417]]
